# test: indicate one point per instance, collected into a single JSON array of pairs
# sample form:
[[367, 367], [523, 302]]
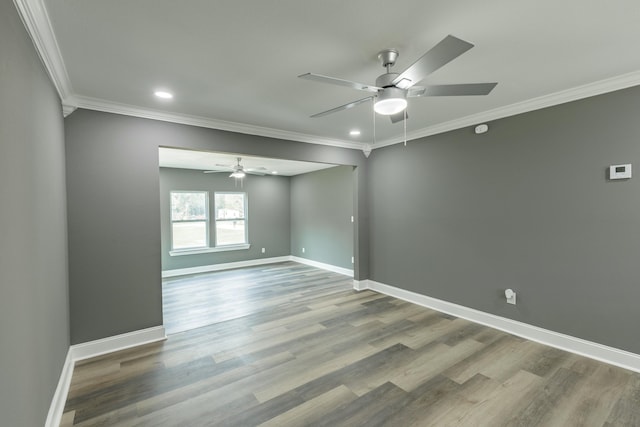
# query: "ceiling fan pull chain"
[[374, 125], [405, 127]]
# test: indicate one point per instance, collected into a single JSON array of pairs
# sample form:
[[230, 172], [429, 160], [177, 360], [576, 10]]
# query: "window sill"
[[208, 250]]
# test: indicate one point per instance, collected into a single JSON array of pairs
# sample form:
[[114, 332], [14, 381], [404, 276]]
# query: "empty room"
[[299, 213]]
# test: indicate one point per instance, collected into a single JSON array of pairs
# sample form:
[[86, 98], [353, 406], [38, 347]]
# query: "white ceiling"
[[234, 64], [204, 160]]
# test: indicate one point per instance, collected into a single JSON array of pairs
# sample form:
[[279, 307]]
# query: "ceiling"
[[204, 160], [234, 64]]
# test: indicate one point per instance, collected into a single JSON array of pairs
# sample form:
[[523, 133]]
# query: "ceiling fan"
[[237, 170], [392, 89]]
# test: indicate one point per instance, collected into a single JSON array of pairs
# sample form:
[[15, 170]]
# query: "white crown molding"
[[36, 20], [185, 119], [603, 353], [68, 109], [585, 91], [574, 94]]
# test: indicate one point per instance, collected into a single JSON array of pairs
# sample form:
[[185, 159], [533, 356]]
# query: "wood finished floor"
[[297, 346]]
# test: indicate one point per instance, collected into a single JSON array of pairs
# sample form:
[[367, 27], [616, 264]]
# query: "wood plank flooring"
[[293, 345], [194, 301]]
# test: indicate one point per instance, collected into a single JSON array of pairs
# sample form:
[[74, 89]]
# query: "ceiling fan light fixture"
[[163, 94], [390, 101], [237, 174]]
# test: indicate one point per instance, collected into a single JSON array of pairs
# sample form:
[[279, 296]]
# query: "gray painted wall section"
[[321, 209], [461, 217], [268, 215], [114, 229], [114, 212], [34, 322]]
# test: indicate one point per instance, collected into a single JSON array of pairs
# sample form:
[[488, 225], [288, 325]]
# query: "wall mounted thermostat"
[[620, 171]]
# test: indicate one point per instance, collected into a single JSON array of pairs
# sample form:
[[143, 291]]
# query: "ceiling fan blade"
[[339, 82], [254, 173], [343, 107], [447, 50], [467, 89], [261, 168], [214, 171], [395, 118]]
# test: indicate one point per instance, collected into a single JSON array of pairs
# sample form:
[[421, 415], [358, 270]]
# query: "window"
[[189, 220], [231, 227]]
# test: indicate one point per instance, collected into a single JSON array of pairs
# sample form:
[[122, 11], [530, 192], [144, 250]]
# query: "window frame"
[[206, 221], [245, 218]]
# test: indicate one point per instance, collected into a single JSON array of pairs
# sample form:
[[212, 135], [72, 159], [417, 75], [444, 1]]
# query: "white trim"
[[580, 92], [102, 346], [322, 265], [92, 349], [185, 119], [56, 409], [254, 262], [224, 266], [573, 94], [603, 353], [36, 20], [67, 109], [181, 252], [360, 285]]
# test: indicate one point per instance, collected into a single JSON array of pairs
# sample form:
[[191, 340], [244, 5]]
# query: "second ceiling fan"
[[392, 89], [237, 170]]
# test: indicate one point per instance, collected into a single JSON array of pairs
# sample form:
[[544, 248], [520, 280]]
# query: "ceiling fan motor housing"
[[385, 80]]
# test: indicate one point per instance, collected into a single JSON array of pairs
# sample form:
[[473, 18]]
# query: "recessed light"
[[354, 132], [163, 94], [274, 172]]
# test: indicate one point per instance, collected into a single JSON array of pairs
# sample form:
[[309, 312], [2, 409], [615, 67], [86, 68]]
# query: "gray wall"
[[321, 209], [461, 217], [268, 215], [114, 212], [34, 322]]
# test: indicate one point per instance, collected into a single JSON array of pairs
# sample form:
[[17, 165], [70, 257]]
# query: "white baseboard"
[[225, 266], [322, 265], [254, 262], [56, 408], [92, 349], [603, 353], [99, 347], [360, 285]]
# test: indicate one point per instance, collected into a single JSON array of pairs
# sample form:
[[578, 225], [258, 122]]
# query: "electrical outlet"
[[352, 260], [302, 250], [263, 250], [510, 294]]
